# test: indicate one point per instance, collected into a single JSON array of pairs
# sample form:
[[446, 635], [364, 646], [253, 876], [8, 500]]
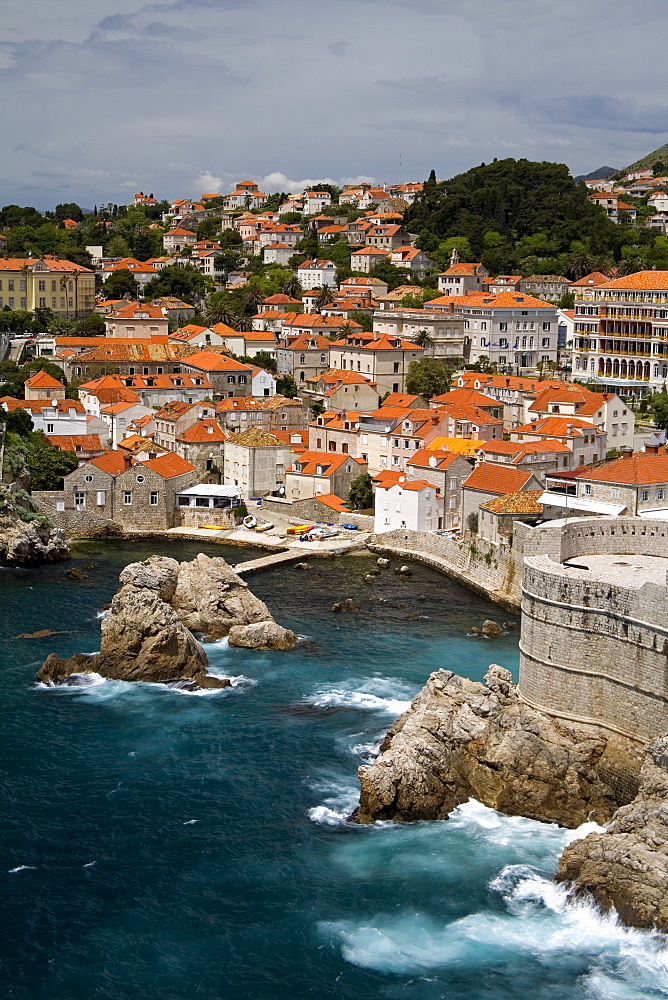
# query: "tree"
[[120, 285], [326, 294], [185, 282], [220, 309], [16, 421], [659, 404], [48, 464], [292, 287], [361, 492], [392, 275], [143, 244], [262, 360], [70, 210], [117, 247], [286, 386], [472, 522], [227, 260], [364, 320], [424, 339], [427, 377]]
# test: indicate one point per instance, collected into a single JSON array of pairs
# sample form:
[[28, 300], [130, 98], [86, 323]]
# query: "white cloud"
[[207, 183]]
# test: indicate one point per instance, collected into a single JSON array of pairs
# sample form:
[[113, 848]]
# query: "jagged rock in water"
[[383, 563], [211, 598], [262, 635], [462, 739], [30, 543], [491, 629], [146, 633], [347, 605], [76, 573], [627, 866], [403, 571], [157, 573]]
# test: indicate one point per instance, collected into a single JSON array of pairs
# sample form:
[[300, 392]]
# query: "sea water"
[[160, 845]]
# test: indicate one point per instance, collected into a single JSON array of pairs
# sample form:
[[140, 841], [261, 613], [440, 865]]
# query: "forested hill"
[[517, 216]]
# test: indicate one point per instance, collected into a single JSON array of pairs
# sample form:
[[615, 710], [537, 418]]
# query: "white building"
[[316, 273], [415, 505], [316, 202]]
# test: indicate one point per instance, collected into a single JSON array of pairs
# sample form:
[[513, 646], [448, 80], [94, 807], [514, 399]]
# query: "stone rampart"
[[594, 642], [75, 523]]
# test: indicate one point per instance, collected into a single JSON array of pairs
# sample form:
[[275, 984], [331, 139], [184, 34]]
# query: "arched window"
[[302, 359], [656, 371], [301, 376]]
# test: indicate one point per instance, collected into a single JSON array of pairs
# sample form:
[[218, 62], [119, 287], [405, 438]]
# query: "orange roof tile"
[[42, 380], [204, 430], [634, 469], [523, 502], [75, 442], [490, 477], [168, 466], [113, 462]]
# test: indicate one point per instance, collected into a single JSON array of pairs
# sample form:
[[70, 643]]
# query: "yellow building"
[[31, 283]]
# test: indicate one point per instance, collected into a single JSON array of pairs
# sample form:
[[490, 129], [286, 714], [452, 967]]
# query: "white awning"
[[657, 515], [211, 490], [567, 502]]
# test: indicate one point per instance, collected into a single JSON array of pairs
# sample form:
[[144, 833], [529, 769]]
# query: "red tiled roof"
[[328, 461], [632, 470], [75, 442], [523, 502], [204, 430], [490, 477], [42, 380], [208, 361], [113, 462], [168, 466]]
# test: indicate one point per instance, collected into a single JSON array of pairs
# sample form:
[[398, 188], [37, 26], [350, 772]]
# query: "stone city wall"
[[75, 523], [594, 651]]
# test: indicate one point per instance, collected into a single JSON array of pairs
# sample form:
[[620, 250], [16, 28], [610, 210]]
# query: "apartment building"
[[621, 334], [30, 283], [385, 359], [444, 332]]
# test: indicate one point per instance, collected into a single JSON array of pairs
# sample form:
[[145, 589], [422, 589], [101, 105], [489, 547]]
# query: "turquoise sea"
[[158, 845]]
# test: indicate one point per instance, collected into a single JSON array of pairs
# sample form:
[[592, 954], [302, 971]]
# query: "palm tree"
[[292, 287], [63, 288], [253, 297], [423, 338], [326, 294], [632, 265], [220, 312]]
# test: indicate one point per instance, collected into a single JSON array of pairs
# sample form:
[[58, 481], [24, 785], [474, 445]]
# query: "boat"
[[218, 527], [299, 529], [265, 526], [321, 532], [350, 527], [249, 521]]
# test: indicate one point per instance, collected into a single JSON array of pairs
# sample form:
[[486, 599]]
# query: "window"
[[153, 499], [49, 430], [60, 505], [644, 495], [546, 326], [89, 479], [140, 479], [660, 494], [127, 497], [545, 342], [587, 490], [615, 493], [453, 484], [41, 286], [101, 497]]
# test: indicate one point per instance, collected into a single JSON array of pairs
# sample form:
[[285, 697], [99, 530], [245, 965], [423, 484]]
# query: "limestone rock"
[[462, 739], [262, 635], [30, 543], [347, 605], [627, 866], [76, 573], [383, 563], [302, 565], [403, 571], [157, 573], [211, 598], [491, 629]]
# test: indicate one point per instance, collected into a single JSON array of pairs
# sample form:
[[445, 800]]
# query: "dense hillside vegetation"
[[517, 216]]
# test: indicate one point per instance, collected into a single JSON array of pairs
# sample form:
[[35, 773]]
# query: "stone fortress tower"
[[594, 643]]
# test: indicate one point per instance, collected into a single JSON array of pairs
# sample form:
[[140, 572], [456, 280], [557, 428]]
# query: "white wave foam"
[[541, 923], [103, 688], [368, 751], [22, 868], [90, 864], [338, 805], [375, 694], [190, 822]]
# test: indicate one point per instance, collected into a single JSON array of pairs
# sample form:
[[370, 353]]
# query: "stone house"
[[446, 472], [84, 446], [304, 356], [275, 413], [144, 495], [41, 385], [411, 259], [255, 461], [203, 445], [158, 390], [227, 376], [489, 481], [587, 442], [385, 359], [372, 288], [459, 279], [545, 286], [173, 419], [539, 457], [154, 357], [635, 485], [176, 239], [497, 516], [605, 409], [387, 237], [89, 491], [365, 258], [136, 321], [343, 390], [316, 473]]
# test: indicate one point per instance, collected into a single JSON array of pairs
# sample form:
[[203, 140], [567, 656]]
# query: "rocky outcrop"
[[262, 635], [27, 538], [147, 633], [626, 868], [209, 597], [462, 739]]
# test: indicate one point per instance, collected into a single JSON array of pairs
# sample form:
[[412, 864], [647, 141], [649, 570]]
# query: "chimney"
[[127, 462], [652, 449], [627, 452]]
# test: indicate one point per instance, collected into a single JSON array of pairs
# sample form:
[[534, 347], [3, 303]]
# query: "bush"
[[240, 512], [472, 523]]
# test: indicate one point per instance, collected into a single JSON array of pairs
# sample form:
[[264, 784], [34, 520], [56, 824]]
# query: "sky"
[[105, 98]]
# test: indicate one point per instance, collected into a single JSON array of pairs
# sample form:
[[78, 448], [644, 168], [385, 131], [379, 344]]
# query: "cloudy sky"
[[102, 98]]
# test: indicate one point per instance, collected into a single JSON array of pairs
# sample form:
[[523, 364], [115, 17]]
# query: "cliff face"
[[627, 866], [26, 537], [146, 634], [461, 739]]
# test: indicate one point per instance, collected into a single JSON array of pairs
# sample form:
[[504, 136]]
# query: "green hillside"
[[659, 155]]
